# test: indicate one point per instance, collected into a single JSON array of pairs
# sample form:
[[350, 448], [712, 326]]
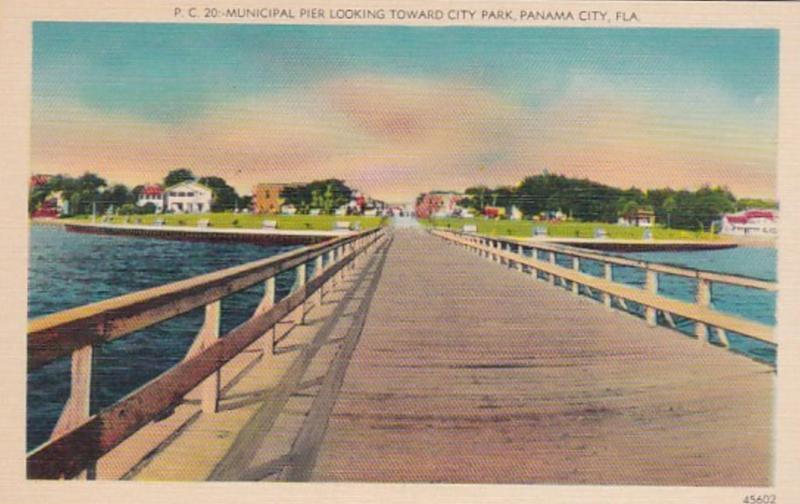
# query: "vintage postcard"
[[437, 251]]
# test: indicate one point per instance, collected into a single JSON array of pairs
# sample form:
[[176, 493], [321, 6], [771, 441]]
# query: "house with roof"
[[188, 197], [755, 222], [644, 217], [152, 193]]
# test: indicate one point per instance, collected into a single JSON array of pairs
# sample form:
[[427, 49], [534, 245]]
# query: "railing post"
[[576, 265], [651, 285], [702, 298], [76, 410], [553, 278], [609, 276], [330, 264], [208, 335], [535, 258], [299, 283], [318, 272], [267, 302], [722, 336]]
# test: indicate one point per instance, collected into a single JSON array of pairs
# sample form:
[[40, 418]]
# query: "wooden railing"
[[706, 319], [80, 439]]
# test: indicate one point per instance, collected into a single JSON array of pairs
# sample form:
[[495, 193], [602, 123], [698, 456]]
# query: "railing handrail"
[[712, 276], [702, 314], [66, 454], [56, 335]]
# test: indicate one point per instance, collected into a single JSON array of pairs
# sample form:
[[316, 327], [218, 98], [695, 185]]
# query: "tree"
[[177, 176], [669, 206], [225, 197], [326, 195], [477, 197], [629, 210]]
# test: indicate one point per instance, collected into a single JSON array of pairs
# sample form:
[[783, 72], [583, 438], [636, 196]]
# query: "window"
[[173, 193], [181, 193], [190, 194]]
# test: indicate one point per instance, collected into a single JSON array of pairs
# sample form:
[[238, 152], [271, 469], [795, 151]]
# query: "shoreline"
[[185, 233], [623, 245]]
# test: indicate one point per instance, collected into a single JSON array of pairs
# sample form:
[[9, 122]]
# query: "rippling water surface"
[[70, 269]]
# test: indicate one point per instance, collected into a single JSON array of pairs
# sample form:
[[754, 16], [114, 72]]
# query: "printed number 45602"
[[759, 499]]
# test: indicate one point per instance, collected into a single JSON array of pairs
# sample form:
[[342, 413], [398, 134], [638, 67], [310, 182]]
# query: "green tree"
[[177, 176], [629, 209], [669, 206], [327, 195], [224, 196]]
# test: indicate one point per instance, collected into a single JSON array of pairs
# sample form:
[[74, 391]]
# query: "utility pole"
[[94, 211]]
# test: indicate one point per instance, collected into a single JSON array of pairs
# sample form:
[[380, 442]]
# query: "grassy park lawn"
[[524, 229], [245, 221]]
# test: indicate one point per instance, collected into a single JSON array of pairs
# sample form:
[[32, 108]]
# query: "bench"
[[313, 211], [600, 233], [158, 222], [341, 225], [469, 228], [540, 231], [269, 224], [203, 223]]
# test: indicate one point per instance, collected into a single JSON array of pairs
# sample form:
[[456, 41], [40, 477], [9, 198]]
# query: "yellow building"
[[267, 197]]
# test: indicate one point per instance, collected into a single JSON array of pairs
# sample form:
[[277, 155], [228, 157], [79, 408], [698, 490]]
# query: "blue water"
[[747, 303], [70, 269]]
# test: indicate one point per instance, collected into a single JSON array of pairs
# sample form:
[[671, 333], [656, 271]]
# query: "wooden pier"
[[427, 363]]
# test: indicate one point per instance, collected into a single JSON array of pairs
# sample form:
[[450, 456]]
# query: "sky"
[[395, 111]]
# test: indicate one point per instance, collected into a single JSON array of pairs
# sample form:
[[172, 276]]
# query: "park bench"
[[313, 211], [341, 225], [600, 233], [269, 224], [203, 223], [470, 228], [158, 222], [540, 231]]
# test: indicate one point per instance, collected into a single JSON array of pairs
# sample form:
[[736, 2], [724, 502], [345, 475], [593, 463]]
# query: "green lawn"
[[246, 221], [566, 229]]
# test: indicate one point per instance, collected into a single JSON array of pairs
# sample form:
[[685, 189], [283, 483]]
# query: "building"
[[493, 212], [152, 193], [751, 223], [188, 197], [643, 218], [38, 181], [438, 204], [267, 197]]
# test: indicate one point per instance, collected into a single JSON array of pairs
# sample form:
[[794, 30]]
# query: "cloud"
[[395, 136]]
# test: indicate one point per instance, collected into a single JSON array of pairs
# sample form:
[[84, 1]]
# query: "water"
[[69, 269], [747, 303]]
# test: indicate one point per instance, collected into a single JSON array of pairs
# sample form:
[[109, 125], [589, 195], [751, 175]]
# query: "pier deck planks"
[[467, 371]]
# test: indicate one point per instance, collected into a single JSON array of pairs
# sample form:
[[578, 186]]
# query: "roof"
[[152, 190], [189, 183], [748, 215]]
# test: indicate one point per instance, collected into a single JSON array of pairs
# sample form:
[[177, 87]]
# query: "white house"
[[188, 197], [152, 194], [751, 223]]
